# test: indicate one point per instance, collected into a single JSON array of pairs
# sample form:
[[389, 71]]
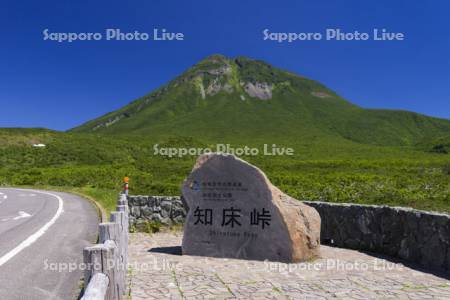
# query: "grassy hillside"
[[214, 100], [321, 169]]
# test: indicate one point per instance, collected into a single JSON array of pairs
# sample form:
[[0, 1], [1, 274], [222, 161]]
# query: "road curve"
[[42, 235]]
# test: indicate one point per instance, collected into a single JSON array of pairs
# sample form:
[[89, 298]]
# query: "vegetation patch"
[[95, 165]]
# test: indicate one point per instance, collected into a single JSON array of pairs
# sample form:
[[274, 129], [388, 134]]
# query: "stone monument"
[[235, 212]]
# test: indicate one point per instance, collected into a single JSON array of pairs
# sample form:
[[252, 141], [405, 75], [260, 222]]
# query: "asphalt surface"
[[42, 235]]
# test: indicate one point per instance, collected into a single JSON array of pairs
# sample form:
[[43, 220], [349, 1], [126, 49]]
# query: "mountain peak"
[[223, 98], [217, 73], [216, 58]]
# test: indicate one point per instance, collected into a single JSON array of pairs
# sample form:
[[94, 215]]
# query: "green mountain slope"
[[321, 169], [230, 100]]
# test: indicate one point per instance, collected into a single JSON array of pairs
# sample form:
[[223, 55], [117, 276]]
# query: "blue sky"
[[61, 85]]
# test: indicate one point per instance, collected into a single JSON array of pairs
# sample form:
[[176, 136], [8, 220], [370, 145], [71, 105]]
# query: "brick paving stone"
[[158, 272]]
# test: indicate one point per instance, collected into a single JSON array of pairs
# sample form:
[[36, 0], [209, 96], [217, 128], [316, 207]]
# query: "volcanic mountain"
[[242, 99]]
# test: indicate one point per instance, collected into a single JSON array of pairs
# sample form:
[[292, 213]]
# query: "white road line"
[[20, 215], [35, 236]]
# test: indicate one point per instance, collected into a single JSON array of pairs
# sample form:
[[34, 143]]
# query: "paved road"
[[41, 233]]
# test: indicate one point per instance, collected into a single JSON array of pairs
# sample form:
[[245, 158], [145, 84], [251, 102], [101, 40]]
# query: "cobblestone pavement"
[[160, 272]]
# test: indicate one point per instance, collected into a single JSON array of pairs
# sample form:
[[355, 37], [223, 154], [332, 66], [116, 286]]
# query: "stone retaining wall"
[[166, 210], [417, 236]]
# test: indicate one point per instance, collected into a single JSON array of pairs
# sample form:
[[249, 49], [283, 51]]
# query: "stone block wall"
[[416, 236], [166, 210]]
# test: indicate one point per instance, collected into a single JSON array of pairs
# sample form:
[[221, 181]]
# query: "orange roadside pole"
[[125, 185]]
